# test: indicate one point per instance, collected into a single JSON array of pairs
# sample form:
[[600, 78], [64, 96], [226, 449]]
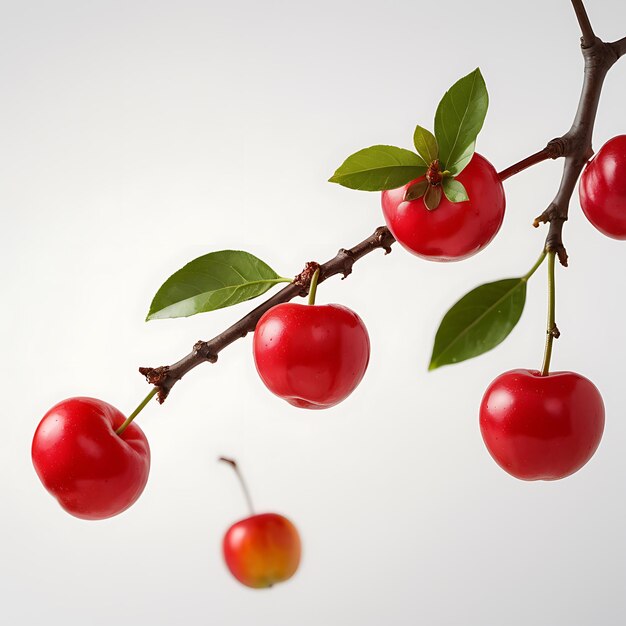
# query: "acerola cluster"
[[443, 203]]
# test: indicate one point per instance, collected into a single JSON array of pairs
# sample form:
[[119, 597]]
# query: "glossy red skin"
[[453, 231], [541, 427], [262, 550], [93, 472], [602, 188], [313, 356]]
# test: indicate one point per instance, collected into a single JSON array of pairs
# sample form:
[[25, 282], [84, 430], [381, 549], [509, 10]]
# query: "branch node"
[[384, 238], [554, 241], [303, 279], [552, 214], [203, 351], [157, 376], [561, 253], [556, 147], [555, 332], [588, 36], [347, 260]]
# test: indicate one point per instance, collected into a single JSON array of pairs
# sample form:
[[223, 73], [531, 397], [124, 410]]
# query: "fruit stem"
[[136, 412], [535, 267], [313, 286], [242, 482], [552, 332]]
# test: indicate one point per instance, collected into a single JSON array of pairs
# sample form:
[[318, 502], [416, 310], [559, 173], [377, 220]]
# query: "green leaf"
[[456, 168], [213, 281], [460, 116], [454, 190], [479, 321], [379, 167], [425, 144]]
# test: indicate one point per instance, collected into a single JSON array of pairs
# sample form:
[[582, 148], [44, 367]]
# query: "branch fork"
[[575, 146]]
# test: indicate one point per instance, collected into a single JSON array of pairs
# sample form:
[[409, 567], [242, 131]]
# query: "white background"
[[136, 136]]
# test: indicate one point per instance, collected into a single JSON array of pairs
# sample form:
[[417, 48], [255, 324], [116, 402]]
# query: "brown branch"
[[165, 377], [588, 36], [574, 146], [599, 57], [619, 47], [553, 150]]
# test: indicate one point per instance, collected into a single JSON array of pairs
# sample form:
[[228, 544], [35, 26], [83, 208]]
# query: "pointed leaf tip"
[[425, 144], [459, 118]]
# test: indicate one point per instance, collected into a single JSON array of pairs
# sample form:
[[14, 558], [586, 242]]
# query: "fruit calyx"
[[430, 187]]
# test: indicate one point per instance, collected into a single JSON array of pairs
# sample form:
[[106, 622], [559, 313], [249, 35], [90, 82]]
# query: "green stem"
[[535, 267], [313, 286], [136, 412], [551, 331]]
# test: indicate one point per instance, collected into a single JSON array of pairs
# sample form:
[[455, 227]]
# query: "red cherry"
[[313, 356], [541, 427], [452, 231], [262, 550], [603, 188], [93, 472]]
